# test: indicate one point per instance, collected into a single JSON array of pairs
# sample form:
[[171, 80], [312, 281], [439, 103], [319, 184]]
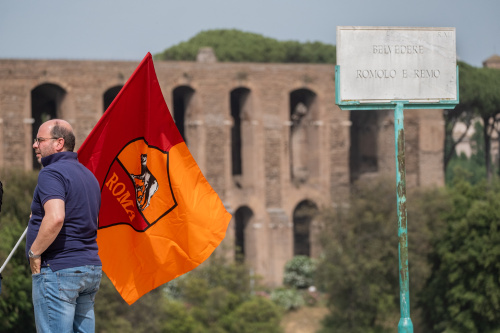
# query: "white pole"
[[14, 250]]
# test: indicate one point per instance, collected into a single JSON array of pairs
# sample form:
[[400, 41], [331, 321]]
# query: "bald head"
[[59, 128]]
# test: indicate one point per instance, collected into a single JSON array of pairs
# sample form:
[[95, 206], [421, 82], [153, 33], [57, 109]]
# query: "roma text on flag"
[[159, 216]]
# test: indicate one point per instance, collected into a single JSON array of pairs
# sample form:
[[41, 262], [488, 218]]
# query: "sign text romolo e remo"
[[383, 64]]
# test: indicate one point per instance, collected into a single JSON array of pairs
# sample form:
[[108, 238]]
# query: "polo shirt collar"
[[63, 155]]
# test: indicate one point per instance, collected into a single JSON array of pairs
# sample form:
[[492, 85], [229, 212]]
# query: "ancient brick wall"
[[266, 188]]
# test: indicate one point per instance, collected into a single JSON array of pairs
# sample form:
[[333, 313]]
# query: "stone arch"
[[304, 136], [182, 99], [303, 216], [241, 135], [109, 96], [46, 103], [244, 242], [363, 152]]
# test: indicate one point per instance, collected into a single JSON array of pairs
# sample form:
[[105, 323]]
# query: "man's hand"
[[35, 265]]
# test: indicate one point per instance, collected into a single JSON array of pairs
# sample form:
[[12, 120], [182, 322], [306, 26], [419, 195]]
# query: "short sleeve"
[[51, 185]]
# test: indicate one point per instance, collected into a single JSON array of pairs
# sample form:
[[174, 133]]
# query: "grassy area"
[[304, 320]]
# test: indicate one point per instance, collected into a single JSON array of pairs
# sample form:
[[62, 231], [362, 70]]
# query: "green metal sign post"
[[405, 324]]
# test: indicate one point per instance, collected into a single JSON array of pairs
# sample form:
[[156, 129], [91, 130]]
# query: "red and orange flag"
[[159, 216]]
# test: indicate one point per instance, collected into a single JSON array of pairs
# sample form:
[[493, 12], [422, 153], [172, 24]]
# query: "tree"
[[480, 94], [488, 106], [113, 314], [216, 297], [463, 292], [255, 315], [359, 268], [16, 309], [471, 168], [220, 298], [238, 46], [462, 113]]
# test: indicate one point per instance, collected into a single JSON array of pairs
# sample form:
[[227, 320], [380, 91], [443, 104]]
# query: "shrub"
[[255, 315], [299, 272], [463, 292], [178, 319], [16, 310], [288, 299]]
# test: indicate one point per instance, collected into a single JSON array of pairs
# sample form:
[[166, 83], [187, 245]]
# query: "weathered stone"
[[266, 194]]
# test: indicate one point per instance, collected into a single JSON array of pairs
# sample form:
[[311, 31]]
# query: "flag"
[[159, 216]]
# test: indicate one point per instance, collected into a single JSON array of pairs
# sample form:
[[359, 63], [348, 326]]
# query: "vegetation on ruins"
[[238, 46]]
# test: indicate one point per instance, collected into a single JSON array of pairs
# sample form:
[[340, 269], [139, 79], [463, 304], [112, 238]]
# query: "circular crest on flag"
[[137, 189]]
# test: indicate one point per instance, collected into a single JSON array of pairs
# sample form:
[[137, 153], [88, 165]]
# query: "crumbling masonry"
[[268, 137]]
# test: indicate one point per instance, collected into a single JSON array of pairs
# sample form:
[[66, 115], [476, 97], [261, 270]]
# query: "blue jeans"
[[64, 300]]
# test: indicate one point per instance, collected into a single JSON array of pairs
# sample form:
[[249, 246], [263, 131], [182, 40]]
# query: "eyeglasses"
[[38, 140]]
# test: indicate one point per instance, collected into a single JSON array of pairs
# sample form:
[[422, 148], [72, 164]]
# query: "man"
[[61, 240]]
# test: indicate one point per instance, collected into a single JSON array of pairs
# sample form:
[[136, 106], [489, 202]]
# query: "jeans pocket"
[[70, 283]]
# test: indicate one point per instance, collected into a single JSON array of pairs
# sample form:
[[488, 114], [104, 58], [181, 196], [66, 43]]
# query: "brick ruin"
[[268, 137]]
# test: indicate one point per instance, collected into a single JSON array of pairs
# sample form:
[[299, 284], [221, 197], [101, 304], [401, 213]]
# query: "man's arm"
[[50, 227]]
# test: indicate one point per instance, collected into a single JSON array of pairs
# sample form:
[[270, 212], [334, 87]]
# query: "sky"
[[128, 29]]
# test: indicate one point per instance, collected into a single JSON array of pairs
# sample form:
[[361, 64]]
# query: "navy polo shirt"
[[63, 177]]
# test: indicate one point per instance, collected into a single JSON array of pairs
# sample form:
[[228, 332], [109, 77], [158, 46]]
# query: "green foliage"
[[479, 96], [287, 298], [212, 298], [216, 272], [359, 267], [216, 294], [255, 315], [299, 272], [16, 310], [472, 169], [238, 46], [463, 292], [113, 314], [178, 320]]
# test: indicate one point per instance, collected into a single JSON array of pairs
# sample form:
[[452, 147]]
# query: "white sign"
[[384, 64]]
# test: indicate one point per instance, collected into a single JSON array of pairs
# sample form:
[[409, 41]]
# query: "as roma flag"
[[159, 216]]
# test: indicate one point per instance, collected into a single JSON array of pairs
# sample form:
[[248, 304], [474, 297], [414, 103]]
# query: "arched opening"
[[182, 97], [242, 245], [46, 100], [363, 151], [304, 140], [303, 215], [110, 95], [239, 100]]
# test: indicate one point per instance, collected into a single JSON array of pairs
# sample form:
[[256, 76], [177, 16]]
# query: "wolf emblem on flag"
[[146, 184], [138, 185]]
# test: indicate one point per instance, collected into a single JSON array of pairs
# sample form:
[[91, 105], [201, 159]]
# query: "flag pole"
[[13, 250]]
